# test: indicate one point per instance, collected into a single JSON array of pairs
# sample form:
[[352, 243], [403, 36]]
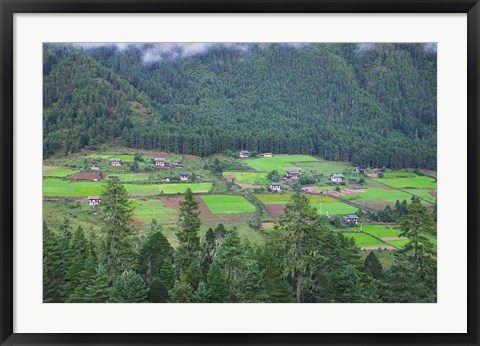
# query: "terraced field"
[[146, 211], [404, 180], [379, 231], [256, 178], [378, 198], [59, 172], [364, 240], [228, 204], [64, 188], [279, 163]]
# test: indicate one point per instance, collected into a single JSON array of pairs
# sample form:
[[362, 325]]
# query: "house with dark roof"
[[183, 176], [93, 200], [244, 154], [337, 178], [275, 187], [115, 162], [159, 161], [291, 175], [351, 219]]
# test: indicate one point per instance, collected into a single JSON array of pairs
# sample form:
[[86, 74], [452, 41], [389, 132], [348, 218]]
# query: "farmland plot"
[[227, 204], [278, 163]]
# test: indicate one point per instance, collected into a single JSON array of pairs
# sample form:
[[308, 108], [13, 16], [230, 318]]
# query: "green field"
[[244, 230], [60, 172], [155, 189], [408, 181], [228, 204], [123, 157], [146, 211], [364, 240], [379, 196], [278, 163], [398, 243], [379, 231], [324, 167], [64, 188], [131, 176], [323, 204], [248, 177]]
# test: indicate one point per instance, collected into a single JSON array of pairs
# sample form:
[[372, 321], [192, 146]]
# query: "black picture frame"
[[7, 10]]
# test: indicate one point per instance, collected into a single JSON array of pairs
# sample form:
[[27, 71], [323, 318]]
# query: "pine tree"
[[188, 228], [76, 255], [88, 273], [217, 285], [99, 289], [252, 286], [182, 291], [231, 258], [299, 221], [373, 266], [153, 252], [345, 287], [53, 269], [129, 288], [115, 212], [158, 293], [202, 295]]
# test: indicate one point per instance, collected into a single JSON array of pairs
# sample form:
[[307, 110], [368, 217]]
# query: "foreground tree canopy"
[[304, 261], [368, 104]]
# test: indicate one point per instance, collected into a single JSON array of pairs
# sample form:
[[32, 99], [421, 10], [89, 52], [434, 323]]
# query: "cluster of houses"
[[245, 154], [162, 162]]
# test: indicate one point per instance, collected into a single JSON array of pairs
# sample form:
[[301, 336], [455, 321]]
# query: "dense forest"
[[304, 261], [368, 104]]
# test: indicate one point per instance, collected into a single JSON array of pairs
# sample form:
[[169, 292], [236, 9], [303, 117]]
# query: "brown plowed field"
[[205, 214], [275, 209], [87, 176]]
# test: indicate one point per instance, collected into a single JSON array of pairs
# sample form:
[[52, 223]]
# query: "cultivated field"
[[59, 172], [147, 210], [365, 241], [404, 180], [379, 231], [268, 164], [219, 204], [256, 178]]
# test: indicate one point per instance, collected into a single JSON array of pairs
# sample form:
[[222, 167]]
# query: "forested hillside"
[[368, 104]]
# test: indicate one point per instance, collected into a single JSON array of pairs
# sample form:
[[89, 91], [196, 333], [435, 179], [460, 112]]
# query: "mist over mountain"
[[372, 104]]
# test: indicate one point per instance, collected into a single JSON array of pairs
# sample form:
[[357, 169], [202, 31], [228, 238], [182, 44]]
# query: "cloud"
[[157, 52]]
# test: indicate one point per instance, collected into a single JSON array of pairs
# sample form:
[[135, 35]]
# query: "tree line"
[[304, 261], [374, 107]]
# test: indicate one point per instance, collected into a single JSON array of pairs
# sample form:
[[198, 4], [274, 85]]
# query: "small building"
[[198, 177], [159, 161], [176, 164], [351, 219], [115, 162], [275, 187], [244, 154], [166, 179], [183, 176], [291, 175], [94, 168], [93, 200], [352, 182], [268, 155], [360, 169], [337, 178]]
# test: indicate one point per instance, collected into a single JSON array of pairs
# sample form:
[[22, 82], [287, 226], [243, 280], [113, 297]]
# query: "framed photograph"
[[239, 173]]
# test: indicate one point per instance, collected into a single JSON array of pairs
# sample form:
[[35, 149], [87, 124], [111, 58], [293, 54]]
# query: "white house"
[[115, 162], [183, 176], [275, 187], [337, 178], [93, 200], [244, 154], [351, 219], [159, 161]]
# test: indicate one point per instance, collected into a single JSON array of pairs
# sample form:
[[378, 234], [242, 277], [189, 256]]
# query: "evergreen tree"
[[373, 266], [76, 255], [188, 228], [129, 288], [79, 294], [115, 212], [53, 269], [217, 285], [202, 295], [153, 252], [252, 286], [345, 287], [182, 291], [158, 292], [99, 289], [299, 222], [231, 258]]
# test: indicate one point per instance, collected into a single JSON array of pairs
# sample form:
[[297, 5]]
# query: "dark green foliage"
[[252, 286], [129, 288], [322, 98], [217, 285], [99, 289], [202, 295], [273, 176], [373, 266], [77, 253], [115, 212], [53, 268], [153, 253], [188, 228], [158, 292], [182, 291], [345, 287]]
